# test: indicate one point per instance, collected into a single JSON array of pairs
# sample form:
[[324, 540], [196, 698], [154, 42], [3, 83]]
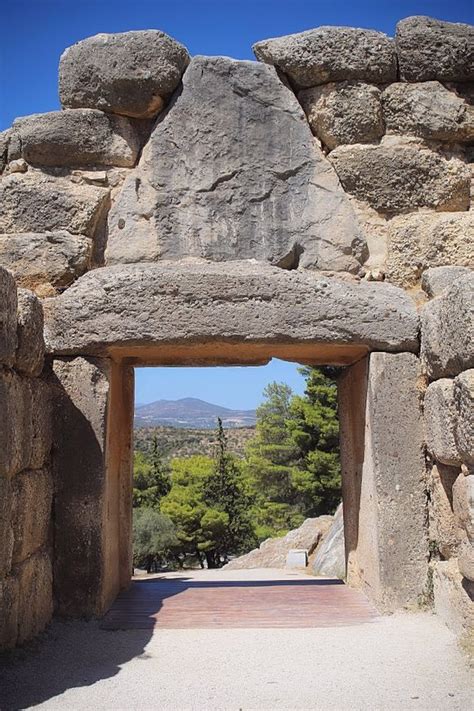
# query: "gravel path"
[[400, 662]]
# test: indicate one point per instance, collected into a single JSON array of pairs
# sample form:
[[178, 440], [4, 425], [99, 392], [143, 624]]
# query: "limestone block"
[[152, 304], [247, 182], [30, 351], [78, 137], [423, 240], [35, 603], [126, 73], [42, 423], [440, 422], [435, 280], [442, 525], [344, 112], [433, 49], [16, 423], [447, 325], [397, 178], [463, 503], [6, 531], [466, 562], [9, 599], [40, 261], [464, 423], [327, 54], [330, 560], [31, 512], [35, 202], [427, 110], [453, 600], [296, 558], [8, 317]]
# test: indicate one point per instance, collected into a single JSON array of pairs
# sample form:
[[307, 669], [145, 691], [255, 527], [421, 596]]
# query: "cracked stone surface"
[[247, 181]]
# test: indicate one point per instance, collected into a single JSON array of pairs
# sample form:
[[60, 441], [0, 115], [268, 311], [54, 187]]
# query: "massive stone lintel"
[[244, 181], [136, 309]]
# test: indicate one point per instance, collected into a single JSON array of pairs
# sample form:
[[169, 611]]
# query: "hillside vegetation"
[[174, 442]]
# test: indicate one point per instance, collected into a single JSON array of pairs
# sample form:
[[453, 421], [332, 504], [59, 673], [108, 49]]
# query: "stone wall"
[[26, 482]]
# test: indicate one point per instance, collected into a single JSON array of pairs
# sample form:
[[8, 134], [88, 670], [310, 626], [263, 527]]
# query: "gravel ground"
[[402, 662]]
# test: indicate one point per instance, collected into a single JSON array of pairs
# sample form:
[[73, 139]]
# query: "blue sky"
[[35, 32]]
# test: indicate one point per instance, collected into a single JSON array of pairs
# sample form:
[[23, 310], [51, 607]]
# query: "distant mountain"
[[190, 412]]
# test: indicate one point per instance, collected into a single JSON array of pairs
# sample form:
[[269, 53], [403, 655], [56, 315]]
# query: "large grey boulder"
[[78, 137], [440, 422], [420, 241], [427, 110], [441, 522], [152, 304], [246, 181], [344, 112], [464, 403], [447, 325], [327, 54], [330, 559], [128, 73], [433, 49], [49, 261], [463, 504], [35, 202], [397, 178], [8, 317], [437, 279], [30, 351]]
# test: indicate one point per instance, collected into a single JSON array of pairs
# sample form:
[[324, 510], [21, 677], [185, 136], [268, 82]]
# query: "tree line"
[[201, 510]]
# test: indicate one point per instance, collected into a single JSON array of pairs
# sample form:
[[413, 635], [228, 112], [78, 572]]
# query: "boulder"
[[4, 140], [427, 110], [442, 525], [464, 423], [272, 552], [8, 317], [327, 54], [463, 504], [78, 137], [188, 302], [420, 241], [466, 562], [31, 514], [129, 73], [51, 260], [447, 325], [453, 599], [247, 181], [440, 422], [398, 178], [344, 112], [330, 559], [30, 351], [437, 279], [35, 202], [430, 49]]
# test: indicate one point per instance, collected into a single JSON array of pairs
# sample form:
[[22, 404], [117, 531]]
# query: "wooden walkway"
[[181, 602]]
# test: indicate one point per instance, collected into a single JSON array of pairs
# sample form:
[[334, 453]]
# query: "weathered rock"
[[453, 600], [464, 423], [42, 424], [433, 49], [466, 562], [440, 422], [344, 112], [31, 514], [273, 551], [38, 261], [9, 594], [35, 600], [330, 560], [30, 351], [6, 531], [398, 178], [463, 503], [16, 429], [420, 241], [78, 137], [128, 73], [427, 110], [4, 140], [8, 317], [152, 304], [235, 186], [34, 202], [327, 54], [437, 279], [447, 325], [442, 526]]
